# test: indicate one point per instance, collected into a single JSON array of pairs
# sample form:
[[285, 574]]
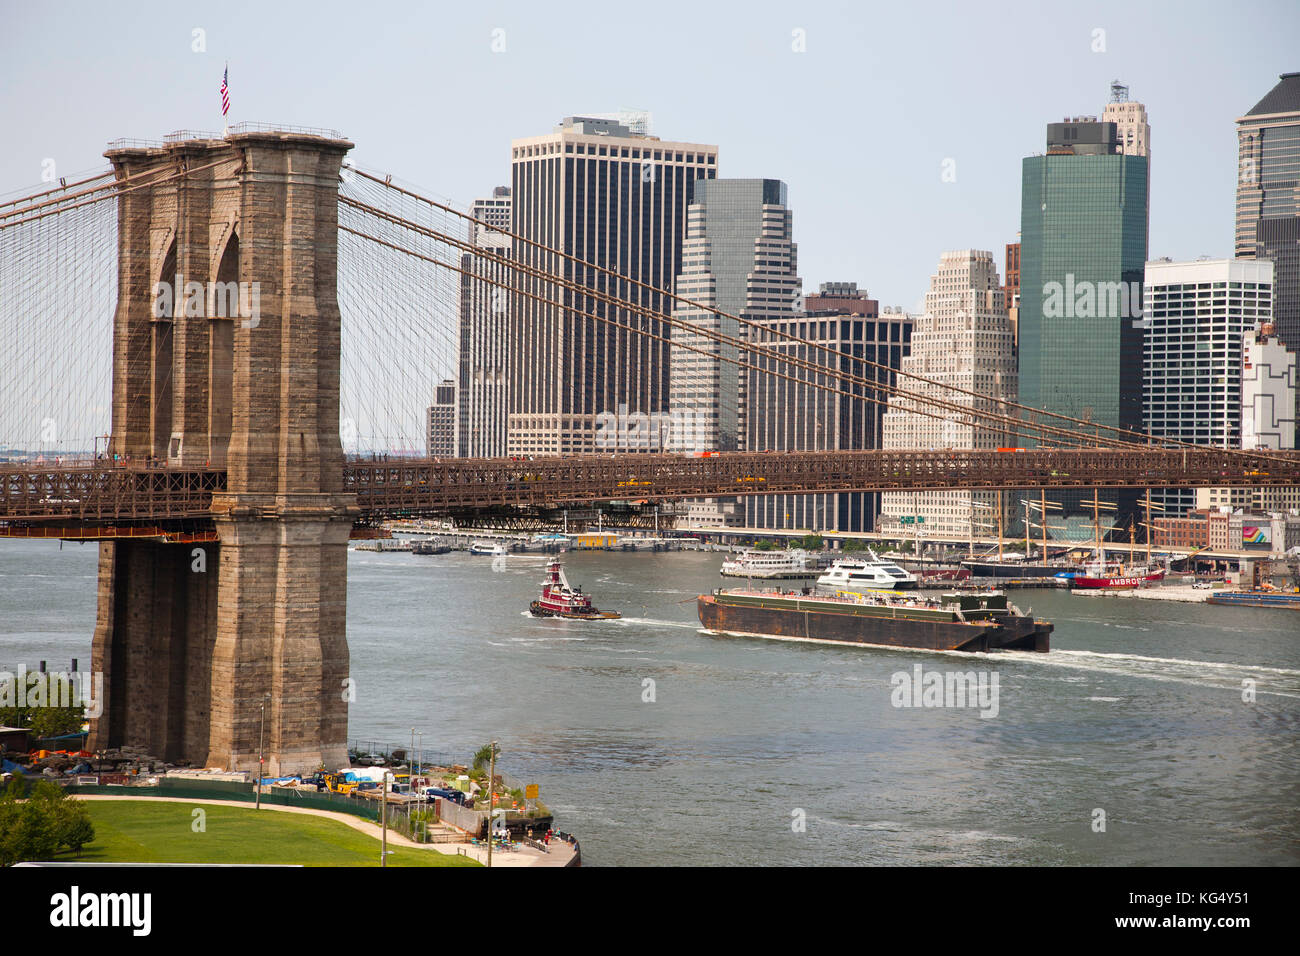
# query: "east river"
[[767, 752]]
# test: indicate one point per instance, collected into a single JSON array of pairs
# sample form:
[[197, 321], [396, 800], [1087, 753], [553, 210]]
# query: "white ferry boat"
[[769, 564], [488, 548], [871, 573]]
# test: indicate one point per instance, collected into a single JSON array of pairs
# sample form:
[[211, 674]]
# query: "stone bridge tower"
[[226, 354]]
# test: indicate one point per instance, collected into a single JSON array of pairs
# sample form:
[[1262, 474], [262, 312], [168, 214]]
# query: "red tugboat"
[[560, 600]]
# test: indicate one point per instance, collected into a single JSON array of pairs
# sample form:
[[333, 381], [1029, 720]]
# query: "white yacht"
[[769, 564], [869, 573]]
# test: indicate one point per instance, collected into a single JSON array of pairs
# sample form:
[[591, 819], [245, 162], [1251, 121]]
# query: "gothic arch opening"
[[160, 367], [221, 354]]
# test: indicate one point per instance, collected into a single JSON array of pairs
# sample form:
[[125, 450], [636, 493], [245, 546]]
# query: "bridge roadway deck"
[[90, 493]]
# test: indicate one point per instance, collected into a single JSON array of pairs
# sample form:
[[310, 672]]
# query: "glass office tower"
[[1083, 250], [738, 257]]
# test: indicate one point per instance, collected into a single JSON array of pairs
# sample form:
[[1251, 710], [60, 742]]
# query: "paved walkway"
[[561, 854]]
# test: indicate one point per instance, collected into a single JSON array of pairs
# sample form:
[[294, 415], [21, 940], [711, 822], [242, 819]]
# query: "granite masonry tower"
[[212, 652]]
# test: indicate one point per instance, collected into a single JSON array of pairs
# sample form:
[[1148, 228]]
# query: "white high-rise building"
[[1268, 388], [484, 365], [964, 340], [1268, 402], [493, 211], [1197, 315]]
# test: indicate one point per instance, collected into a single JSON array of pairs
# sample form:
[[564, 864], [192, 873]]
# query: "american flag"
[[225, 92]]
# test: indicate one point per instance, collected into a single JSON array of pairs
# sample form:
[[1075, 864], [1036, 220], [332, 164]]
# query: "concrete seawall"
[[1188, 595]]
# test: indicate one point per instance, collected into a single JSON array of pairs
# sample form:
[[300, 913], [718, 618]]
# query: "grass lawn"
[[154, 832]]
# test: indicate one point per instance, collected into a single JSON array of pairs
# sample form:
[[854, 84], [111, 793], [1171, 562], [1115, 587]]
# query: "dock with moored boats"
[[414, 537]]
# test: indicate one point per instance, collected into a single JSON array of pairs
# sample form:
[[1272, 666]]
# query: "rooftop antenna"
[[1118, 92], [638, 122]]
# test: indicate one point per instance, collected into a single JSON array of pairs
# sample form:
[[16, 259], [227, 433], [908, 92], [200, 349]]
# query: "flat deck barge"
[[953, 622]]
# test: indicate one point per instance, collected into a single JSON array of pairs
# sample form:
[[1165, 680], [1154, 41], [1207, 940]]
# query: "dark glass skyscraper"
[[1083, 250], [786, 412], [738, 258], [1268, 198], [596, 190]]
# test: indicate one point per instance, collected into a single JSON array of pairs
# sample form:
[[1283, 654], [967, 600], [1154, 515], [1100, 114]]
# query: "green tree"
[[35, 828], [10, 812], [73, 826], [47, 795], [55, 721], [17, 787], [483, 756], [27, 832]]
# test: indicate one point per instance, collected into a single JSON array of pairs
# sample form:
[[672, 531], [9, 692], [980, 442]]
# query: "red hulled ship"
[[1096, 577], [560, 600]]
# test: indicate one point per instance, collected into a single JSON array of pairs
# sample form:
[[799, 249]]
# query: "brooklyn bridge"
[[222, 429]]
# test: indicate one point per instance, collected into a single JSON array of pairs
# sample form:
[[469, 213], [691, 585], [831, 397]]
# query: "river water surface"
[[767, 752]]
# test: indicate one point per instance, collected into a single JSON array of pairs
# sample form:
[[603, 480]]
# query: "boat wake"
[[548, 639], [1277, 681], [654, 622]]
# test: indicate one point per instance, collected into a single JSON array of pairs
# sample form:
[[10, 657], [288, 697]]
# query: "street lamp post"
[[261, 752], [492, 773], [383, 821]]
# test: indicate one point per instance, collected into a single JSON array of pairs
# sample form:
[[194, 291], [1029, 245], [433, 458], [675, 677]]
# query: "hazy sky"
[[859, 125]]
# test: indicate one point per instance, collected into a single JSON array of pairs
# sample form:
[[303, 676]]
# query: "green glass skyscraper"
[[1083, 248]]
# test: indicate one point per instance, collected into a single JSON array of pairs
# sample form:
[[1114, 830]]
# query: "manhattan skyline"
[[899, 135]]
